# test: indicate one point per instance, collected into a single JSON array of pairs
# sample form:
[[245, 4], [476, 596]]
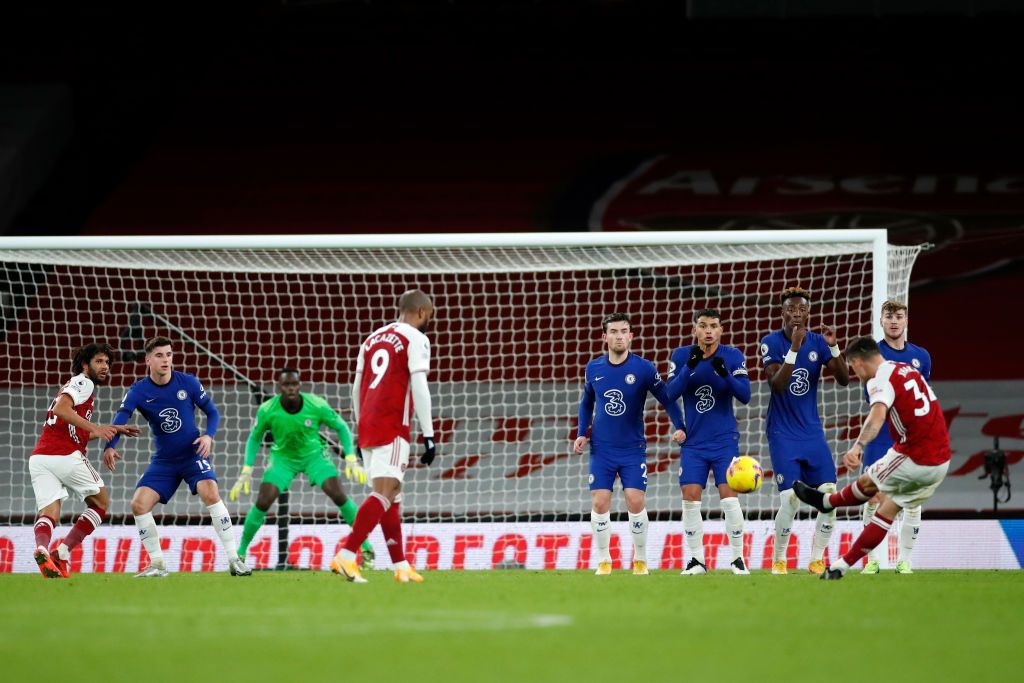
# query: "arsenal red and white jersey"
[[916, 424], [387, 359], [59, 437]]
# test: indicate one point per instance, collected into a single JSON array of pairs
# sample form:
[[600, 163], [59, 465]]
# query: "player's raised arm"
[[734, 371], [680, 370], [659, 390], [836, 364], [124, 413], [778, 367]]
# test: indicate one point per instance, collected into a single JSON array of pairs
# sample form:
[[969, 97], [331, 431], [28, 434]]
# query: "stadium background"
[[401, 117]]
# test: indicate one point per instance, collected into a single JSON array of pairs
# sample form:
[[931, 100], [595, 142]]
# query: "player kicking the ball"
[[168, 400], [709, 375], [293, 418], [793, 358], [58, 462], [390, 383], [618, 383], [910, 471]]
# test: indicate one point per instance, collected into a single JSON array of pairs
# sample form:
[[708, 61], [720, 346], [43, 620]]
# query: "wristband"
[[791, 357], [835, 350]]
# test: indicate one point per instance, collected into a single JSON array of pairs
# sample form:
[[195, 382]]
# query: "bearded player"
[[390, 384], [793, 359], [294, 418], [910, 472], [58, 463]]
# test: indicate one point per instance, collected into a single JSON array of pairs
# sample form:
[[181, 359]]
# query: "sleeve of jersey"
[[201, 397], [678, 375], [421, 403], [768, 354], [739, 380], [255, 440], [80, 390], [335, 422], [659, 390], [880, 391], [124, 413], [419, 354], [926, 367], [587, 402]]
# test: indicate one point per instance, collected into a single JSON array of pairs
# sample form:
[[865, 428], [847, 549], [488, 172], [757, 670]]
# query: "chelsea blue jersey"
[[707, 397], [170, 411], [793, 413], [619, 393], [921, 360]]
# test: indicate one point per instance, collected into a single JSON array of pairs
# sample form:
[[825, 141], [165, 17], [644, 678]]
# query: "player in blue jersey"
[[793, 358], [895, 347], [168, 400], [709, 376], [617, 384]]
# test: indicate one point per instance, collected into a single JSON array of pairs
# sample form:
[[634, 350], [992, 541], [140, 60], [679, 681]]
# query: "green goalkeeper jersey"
[[296, 435]]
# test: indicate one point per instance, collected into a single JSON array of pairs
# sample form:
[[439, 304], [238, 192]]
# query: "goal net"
[[517, 319]]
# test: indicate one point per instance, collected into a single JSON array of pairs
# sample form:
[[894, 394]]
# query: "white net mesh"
[[513, 331]]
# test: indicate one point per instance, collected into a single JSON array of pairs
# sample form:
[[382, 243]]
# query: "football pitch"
[[513, 626]]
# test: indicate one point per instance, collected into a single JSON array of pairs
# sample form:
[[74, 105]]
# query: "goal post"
[[518, 317]]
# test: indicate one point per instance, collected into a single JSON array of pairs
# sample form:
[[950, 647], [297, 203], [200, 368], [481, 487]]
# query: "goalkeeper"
[[293, 419]]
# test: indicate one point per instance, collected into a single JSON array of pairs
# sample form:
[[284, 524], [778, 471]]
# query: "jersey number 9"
[[379, 365]]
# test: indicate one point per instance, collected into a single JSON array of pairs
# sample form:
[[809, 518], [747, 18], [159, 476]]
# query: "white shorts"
[[387, 461], [54, 475], [903, 480]]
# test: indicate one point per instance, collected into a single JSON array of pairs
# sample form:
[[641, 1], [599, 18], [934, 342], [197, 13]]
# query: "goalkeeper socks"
[[734, 526], [253, 521], [824, 524], [908, 532], [391, 525], [348, 513], [221, 519], [873, 534], [370, 512], [87, 523], [693, 525], [601, 524], [850, 495], [150, 540], [866, 514], [638, 527], [788, 504], [44, 530]]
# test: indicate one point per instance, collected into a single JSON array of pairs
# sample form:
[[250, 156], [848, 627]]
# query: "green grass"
[[513, 626]]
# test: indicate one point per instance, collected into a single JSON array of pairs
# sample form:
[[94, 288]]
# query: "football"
[[744, 474]]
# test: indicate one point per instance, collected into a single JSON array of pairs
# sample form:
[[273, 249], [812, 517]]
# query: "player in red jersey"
[[58, 463], [910, 472], [390, 383]]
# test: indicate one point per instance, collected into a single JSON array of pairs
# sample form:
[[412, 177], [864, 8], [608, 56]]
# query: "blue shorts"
[[630, 467], [696, 463], [809, 460], [164, 476]]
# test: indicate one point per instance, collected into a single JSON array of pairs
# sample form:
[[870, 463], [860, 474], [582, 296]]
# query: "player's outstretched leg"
[[369, 515], [824, 524], [874, 555], [908, 536], [693, 527], [788, 505], [873, 534], [347, 507]]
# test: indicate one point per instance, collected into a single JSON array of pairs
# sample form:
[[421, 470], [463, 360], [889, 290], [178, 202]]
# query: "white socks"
[[824, 523], [788, 505], [908, 532], [734, 525], [150, 540], [221, 519], [602, 528], [867, 512], [638, 529], [693, 525]]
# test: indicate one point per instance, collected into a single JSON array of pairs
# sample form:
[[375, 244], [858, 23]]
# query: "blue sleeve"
[[926, 367], [678, 375], [124, 413], [770, 355], [201, 397], [660, 392], [587, 402], [738, 378]]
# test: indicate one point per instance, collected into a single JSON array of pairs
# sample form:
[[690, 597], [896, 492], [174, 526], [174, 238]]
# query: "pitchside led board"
[[518, 317]]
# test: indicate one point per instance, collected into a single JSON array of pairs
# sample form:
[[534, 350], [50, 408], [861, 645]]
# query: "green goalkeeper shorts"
[[282, 471]]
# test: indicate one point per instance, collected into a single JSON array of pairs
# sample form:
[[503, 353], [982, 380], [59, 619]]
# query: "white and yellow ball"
[[744, 474]]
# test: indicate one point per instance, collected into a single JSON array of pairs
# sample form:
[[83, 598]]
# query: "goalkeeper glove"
[[696, 356], [353, 470], [429, 451], [718, 363], [243, 483]]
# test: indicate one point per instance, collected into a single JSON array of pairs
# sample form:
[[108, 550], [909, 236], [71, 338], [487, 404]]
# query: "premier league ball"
[[744, 474]]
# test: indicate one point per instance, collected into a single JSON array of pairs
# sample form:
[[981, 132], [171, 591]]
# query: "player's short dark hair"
[[615, 318], [413, 300], [893, 306], [84, 354], [155, 342], [707, 313], [287, 370], [862, 348], [790, 292]]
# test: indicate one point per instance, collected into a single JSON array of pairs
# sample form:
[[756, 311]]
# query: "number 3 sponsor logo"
[[615, 405], [799, 384], [171, 422]]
